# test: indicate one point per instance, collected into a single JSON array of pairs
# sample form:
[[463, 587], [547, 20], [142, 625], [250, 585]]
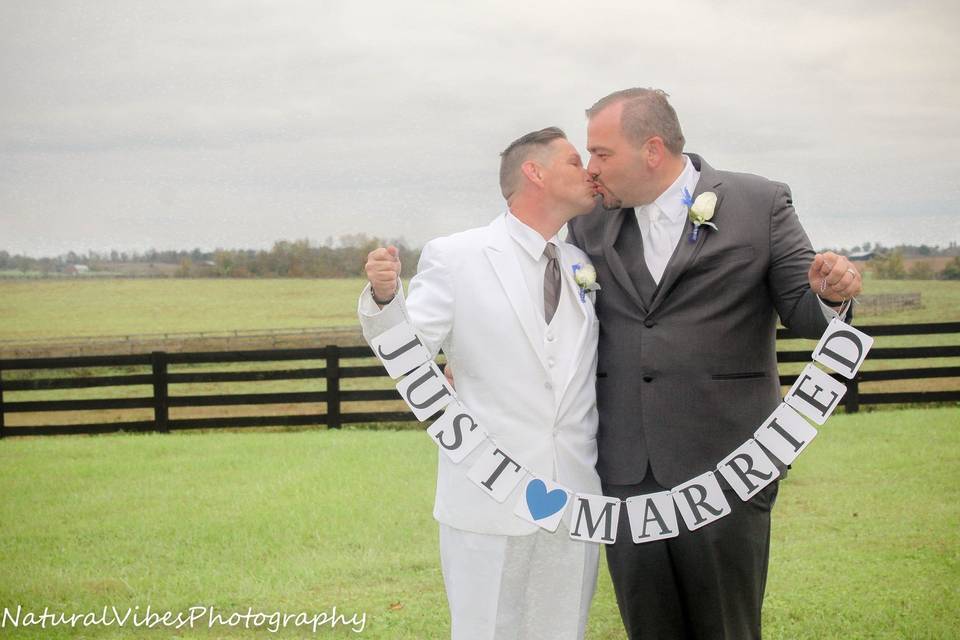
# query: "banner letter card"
[[497, 473], [700, 501], [815, 394], [426, 390], [785, 434], [400, 350], [456, 432], [543, 503], [842, 348], [595, 518]]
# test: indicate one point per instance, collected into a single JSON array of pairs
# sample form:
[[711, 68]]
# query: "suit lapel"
[[505, 265], [686, 252], [570, 284], [586, 314], [612, 225]]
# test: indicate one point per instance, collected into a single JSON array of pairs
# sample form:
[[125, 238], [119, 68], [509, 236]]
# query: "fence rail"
[[160, 379]]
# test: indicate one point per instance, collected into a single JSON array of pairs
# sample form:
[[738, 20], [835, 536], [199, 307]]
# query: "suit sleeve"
[[790, 257], [428, 306]]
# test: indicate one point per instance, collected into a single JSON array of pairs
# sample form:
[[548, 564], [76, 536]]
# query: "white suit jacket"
[[469, 298]]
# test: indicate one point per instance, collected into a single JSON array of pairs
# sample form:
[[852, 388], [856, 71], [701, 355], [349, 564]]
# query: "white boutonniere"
[[700, 211], [586, 278]]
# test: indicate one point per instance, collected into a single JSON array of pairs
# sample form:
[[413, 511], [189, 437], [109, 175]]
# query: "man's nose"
[[592, 169]]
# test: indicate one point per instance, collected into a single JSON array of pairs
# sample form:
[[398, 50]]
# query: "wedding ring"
[[853, 271]]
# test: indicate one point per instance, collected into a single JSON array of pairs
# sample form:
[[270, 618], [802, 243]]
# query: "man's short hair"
[[646, 113], [519, 151]]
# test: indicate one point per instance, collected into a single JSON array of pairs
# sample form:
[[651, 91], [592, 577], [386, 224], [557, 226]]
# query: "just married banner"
[[654, 516]]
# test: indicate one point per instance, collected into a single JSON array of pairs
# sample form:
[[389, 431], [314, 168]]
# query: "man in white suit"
[[502, 303]]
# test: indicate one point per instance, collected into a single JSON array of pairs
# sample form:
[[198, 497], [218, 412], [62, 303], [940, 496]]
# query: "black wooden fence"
[[333, 397]]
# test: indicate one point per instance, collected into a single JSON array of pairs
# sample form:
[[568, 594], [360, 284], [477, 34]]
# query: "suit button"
[[648, 378], [547, 385], [551, 362], [549, 337], [649, 324]]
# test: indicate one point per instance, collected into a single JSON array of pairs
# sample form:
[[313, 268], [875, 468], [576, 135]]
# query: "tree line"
[[344, 258], [285, 259], [890, 266]]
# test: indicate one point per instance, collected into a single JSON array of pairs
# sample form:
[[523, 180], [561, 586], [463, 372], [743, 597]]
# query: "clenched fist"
[[383, 270], [834, 278]]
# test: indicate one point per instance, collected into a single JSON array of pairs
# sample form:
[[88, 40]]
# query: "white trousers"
[[518, 587]]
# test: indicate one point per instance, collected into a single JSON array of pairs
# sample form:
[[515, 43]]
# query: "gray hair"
[[646, 113], [519, 151]]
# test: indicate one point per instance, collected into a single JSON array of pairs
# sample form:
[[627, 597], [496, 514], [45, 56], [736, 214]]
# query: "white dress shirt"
[[559, 338], [670, 213]]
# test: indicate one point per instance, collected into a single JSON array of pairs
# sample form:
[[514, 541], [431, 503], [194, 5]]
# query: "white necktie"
[[657, 247]]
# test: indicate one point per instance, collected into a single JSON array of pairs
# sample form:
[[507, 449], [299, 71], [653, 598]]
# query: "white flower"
[[585, 276], [702, 208]]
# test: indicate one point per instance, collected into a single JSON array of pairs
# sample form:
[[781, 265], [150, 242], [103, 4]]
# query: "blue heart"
[[543, 503]]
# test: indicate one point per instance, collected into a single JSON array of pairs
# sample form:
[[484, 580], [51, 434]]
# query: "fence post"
[[2, 428], [852, 399], [160, 403], [333, 386]]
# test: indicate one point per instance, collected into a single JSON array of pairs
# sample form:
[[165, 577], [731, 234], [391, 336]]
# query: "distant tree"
[[952, 270], [223, 261], [921, 270], [889, 266], [185, 268]]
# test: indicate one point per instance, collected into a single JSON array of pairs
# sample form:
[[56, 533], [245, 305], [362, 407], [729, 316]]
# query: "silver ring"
[[853, 271]]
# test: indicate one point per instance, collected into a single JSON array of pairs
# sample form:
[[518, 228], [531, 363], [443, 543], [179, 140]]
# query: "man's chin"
[[610, 203]]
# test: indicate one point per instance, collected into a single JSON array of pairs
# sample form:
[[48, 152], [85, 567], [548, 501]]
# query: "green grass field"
[[865, 538], [63, 308]]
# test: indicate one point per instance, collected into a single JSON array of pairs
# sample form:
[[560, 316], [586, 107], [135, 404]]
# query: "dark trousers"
[[706, 584]]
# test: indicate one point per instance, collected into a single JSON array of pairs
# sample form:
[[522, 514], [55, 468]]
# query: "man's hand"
[[383, 269], [834, 278], [448, 374]]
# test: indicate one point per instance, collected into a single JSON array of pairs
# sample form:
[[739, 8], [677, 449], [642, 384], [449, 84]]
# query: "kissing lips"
[[610, 200]]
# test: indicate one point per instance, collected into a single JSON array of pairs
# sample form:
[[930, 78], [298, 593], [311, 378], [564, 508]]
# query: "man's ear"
[[655, 152], [533, 172]]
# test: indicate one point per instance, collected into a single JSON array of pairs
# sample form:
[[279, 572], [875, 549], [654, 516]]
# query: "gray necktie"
[[551, 282]]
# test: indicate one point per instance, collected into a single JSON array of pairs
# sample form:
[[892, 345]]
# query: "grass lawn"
[[60, 307], [48, 308], [865, 530]]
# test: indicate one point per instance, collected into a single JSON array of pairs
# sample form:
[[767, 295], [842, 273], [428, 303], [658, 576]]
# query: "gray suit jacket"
[[687, 370]]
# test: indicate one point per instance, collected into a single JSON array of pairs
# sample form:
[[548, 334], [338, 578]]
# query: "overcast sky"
[[129, 125]]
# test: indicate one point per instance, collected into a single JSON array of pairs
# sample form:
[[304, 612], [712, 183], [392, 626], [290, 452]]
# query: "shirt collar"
[[531, 240], [670, 201]]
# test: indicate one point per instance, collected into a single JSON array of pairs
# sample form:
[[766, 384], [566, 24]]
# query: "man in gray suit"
[[687, 355]]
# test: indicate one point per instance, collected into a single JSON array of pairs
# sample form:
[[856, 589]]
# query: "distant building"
[[862, 256], [76, 269]]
